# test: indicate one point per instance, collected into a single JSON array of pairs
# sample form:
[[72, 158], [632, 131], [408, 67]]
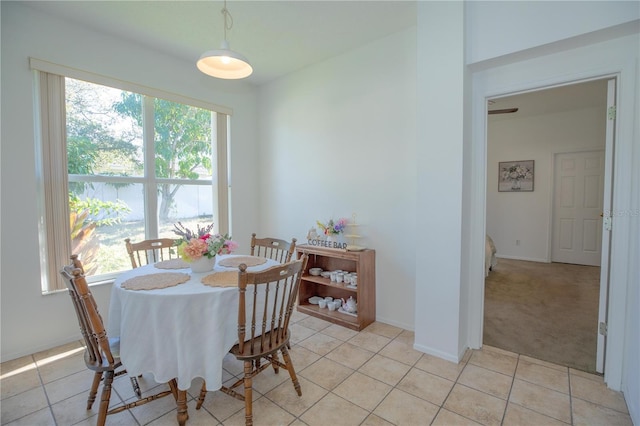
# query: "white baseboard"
[[39, 348], [528, 259], [437, 353], [408, 327]]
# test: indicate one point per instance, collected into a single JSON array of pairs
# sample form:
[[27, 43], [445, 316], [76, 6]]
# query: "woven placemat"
[[172, 264], [221, 279], [234, 262], [155, 281]]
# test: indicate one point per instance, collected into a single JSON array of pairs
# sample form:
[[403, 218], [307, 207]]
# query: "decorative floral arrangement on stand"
[[201, 243], [332, 228]]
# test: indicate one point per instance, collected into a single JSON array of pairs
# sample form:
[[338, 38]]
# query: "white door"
[[578, 197], [606, 228]]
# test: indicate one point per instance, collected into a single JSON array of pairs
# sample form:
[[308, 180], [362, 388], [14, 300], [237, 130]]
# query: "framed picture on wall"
[[515, 176]]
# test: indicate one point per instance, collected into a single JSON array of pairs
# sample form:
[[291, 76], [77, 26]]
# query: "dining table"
[[174, 323]]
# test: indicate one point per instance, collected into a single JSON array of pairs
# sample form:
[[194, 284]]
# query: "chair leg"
[[276, 369], [248, 393], [104, 400], [173, 385], [97, 377], [203, 394], [183, 413], [136, 386], [292, 371]]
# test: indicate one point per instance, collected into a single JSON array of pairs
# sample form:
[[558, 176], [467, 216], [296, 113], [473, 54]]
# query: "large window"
[[128, 165]]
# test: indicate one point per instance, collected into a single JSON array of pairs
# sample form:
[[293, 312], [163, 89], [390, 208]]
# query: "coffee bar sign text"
[[328, 244]]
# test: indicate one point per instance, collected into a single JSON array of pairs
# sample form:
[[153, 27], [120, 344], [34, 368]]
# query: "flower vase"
[[333, 240], [515, 184], [204, 264]]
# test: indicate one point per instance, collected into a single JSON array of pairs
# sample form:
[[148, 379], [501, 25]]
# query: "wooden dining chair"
[[150, 251], [266, 301], [101, 353], [273, 248]]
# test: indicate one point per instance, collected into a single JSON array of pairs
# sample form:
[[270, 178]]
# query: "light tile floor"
[[374, 377]]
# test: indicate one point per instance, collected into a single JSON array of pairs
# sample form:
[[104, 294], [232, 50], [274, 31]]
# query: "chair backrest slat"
[[89, 318], [242, 291], [273, 248], [275, 313], [265, 319], [83, 322], [271, 294], [150, 251]]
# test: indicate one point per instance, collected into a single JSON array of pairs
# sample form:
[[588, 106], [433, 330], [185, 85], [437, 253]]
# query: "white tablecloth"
[[180, 332]]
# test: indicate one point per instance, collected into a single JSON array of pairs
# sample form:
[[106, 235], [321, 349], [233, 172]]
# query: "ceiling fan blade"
[[503, 111]]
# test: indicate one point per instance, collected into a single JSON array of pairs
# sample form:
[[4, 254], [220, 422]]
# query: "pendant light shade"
[[224, 62]]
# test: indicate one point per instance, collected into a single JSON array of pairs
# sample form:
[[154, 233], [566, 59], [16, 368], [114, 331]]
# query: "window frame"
[[52, 174]]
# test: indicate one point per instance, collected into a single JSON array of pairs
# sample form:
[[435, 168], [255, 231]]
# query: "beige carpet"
[[548, 311]]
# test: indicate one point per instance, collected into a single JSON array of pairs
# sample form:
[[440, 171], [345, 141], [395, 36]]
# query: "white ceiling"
[[557, 99], [278, 37]]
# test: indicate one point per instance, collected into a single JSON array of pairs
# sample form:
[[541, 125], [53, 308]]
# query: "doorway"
[[546, 124], [611, 58]]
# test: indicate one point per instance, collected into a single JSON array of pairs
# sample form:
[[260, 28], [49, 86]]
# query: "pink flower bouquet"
[[195, 245]]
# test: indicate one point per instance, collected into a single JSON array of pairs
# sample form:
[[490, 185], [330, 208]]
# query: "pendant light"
[[224, 62]]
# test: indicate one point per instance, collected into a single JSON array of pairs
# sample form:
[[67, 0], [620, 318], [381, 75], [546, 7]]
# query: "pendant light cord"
[[224, 62], [227, 15]]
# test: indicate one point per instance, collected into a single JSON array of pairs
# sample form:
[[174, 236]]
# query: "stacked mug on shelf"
[[329, 302], [344, 277], [349, 279]]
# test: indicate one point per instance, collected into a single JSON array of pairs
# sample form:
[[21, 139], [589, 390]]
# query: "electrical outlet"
[[517, 242]]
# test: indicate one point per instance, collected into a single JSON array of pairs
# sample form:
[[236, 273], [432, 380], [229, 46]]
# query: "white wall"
[[498, 28], [440, 114], [339, 138], [526, 216], [31, 321]]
